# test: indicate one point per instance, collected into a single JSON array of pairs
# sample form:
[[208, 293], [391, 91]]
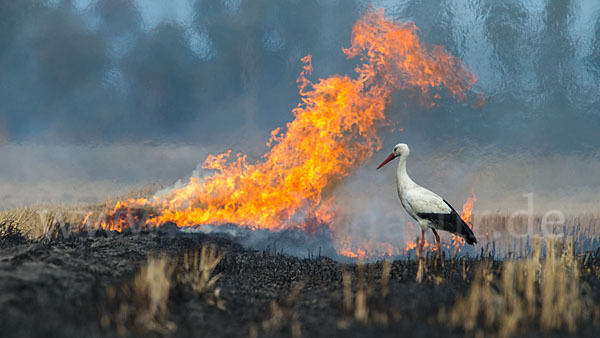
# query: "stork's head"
[[400, 150]]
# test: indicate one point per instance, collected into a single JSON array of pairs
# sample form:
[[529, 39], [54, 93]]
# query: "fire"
[[412, 245], [365, 248], [333, 132], [467, 216], [467, 209]]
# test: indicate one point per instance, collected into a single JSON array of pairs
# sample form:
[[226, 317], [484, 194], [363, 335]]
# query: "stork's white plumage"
[[427, 208]]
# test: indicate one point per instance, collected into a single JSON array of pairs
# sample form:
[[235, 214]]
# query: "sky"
[[98, 97]]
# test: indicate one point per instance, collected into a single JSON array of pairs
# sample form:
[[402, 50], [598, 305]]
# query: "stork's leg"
[[439, 245], [422, 243]]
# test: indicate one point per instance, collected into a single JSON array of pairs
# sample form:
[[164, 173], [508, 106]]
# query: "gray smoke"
[[89, 87], [98, 71]]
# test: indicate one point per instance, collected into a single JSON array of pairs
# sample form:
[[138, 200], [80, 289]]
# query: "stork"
[[427, 208]]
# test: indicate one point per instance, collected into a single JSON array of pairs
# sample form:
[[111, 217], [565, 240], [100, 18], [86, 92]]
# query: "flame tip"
[[333, 132]]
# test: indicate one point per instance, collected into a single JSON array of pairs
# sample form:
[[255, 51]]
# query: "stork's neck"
[[402, 179]]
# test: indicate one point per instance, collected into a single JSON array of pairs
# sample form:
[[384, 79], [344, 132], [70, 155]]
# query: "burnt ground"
[[60, 289]]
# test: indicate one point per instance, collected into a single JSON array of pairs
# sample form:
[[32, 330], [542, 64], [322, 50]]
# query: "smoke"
[[537, 64], [101, 71], [36, 173], [199, 75], [97, 71]]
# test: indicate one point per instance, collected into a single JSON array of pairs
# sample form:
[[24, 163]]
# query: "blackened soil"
[[60, 289]]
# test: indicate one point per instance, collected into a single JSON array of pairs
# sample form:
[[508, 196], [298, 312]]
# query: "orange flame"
[[467, 209], [365, 248], [467, 216], [334, 131]]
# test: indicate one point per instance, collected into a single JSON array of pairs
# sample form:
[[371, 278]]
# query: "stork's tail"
[[461, 228]]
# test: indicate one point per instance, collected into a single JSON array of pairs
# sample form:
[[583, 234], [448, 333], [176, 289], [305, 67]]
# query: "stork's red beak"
[[389, 158]]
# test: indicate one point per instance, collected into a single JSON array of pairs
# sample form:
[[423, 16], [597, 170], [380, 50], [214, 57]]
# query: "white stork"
[[427, 208]]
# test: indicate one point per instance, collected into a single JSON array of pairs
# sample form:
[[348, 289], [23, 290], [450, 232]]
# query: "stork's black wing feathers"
[[452, 223]]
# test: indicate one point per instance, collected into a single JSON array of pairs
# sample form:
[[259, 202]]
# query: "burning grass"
[[46, 222], [333, 132], [498, 235]]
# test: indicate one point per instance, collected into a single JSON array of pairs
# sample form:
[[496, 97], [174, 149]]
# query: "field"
[[167, 282]]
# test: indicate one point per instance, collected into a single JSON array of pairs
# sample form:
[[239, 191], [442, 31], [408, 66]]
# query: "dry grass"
[[427, 265], [365, 306], [142, 304], [197, 273], [284, 319], [9, 224], [47, 222], [494, 233], [43, 223], [151, 288], [539, 293]]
